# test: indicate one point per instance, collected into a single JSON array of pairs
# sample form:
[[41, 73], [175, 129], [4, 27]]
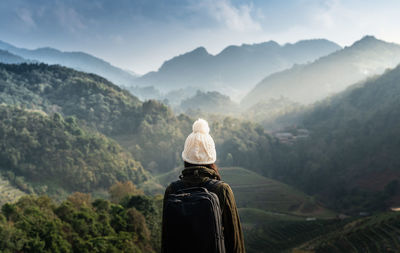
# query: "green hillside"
[[281, 235], [58, 89], [255, 191], [55, 152], [351, 158], [209, 102], [377, 233]]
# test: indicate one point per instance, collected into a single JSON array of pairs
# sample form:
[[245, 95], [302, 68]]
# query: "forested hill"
[[53, 88], [328, 75], [352, 155], [38, 151], [143, 129], [209, 102]]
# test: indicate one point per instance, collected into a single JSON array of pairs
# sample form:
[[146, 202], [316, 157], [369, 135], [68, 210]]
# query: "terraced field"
[[377, 233], [284, 235], [8, 193], [255, 191]]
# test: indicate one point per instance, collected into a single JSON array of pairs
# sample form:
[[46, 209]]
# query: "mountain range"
[[236, 68], [233, 71], [327, 75], [76, 60]]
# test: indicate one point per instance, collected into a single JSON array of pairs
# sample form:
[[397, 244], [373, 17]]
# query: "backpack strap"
[[177, 185], [212, 184]]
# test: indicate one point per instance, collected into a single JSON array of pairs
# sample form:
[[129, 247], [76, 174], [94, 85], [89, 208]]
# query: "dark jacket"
[[233, 234]]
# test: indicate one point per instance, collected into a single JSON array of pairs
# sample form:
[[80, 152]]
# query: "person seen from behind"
[[199, 211]]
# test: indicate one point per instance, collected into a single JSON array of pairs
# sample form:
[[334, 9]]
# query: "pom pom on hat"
[[199, 145], [201, 126]]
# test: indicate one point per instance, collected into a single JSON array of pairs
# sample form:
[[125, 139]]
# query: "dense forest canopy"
[[79, 224], [50, 150]]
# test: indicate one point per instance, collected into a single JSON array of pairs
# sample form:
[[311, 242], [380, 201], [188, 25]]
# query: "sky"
[[139, 35]]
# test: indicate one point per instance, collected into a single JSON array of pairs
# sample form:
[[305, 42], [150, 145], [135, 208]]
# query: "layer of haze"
[[139, 35]]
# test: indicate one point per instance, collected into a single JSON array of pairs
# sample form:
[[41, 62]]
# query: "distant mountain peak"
[[307, 41], [369, 37], [367, 40], [266, 44], [48, 50], [262, 46], [199, 51]]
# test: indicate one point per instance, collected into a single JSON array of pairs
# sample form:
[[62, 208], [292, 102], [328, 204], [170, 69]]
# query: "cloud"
[[117, 39], [69, 18], [26, 16], [234, 18]]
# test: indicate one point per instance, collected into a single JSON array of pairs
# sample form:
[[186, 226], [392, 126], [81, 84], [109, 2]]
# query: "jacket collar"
[[199, 172]]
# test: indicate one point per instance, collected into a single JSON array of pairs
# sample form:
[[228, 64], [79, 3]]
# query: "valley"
[[73, 135]]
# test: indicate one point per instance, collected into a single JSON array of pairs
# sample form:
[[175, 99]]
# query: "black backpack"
[[192, 220]]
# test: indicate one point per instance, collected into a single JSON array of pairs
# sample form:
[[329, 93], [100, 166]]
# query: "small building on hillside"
[[302, 133], [285, 137]]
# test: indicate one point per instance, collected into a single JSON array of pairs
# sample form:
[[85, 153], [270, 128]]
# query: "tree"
[[121, 189], [79, 199]]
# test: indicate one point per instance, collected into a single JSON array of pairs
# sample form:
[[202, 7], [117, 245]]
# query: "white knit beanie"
[[199, 145]]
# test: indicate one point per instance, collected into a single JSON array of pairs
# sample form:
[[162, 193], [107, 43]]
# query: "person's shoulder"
[[174, 186], [223, 186]]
